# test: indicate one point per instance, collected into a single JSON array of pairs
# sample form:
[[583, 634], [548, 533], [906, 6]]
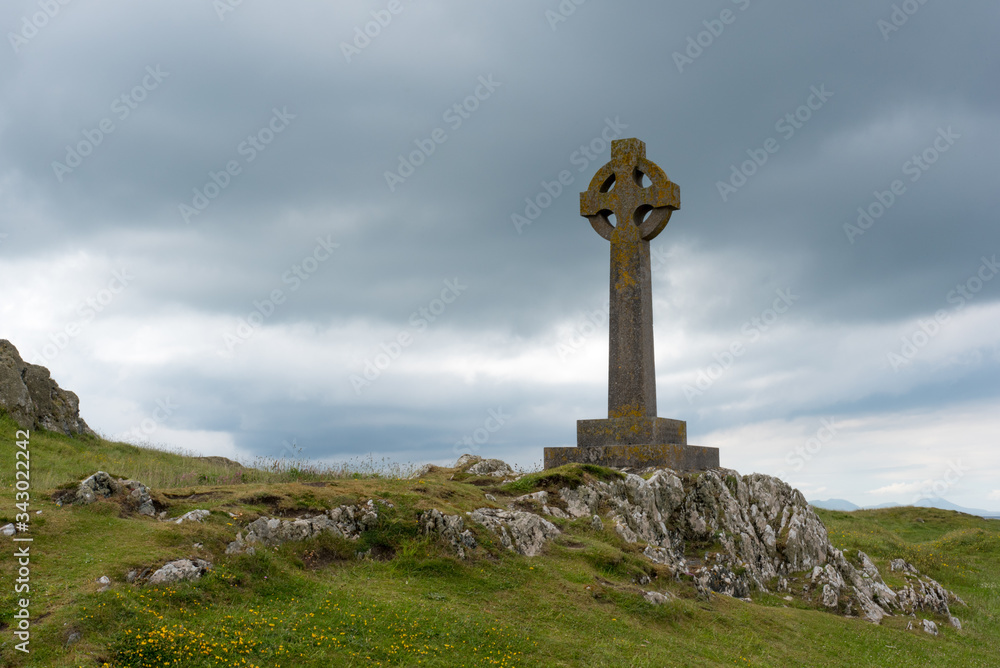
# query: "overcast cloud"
[[216, 217]]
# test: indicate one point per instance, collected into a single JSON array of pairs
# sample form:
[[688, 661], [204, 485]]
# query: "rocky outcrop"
[[475, 465], [729, 533], [733, 534], [924, 594], [192, 516], [518, 531], [449, 527], [345, 521], [134, 495], [33, 399], [177, 571]]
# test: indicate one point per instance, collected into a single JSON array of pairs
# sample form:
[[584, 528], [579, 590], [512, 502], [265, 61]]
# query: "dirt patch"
[[262, 499], [382, 552]]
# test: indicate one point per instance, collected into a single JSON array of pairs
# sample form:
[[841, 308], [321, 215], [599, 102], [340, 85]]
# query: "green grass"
[[412, 603]]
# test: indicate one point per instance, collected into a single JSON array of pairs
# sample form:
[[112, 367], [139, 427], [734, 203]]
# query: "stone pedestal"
[[634, 442], [672, 456], [630, 431]]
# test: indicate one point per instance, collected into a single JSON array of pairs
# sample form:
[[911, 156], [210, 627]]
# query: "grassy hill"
[[410, 601]]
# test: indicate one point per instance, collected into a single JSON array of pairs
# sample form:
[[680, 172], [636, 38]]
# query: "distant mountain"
[[835, 504], [944, 504], [939, 503]]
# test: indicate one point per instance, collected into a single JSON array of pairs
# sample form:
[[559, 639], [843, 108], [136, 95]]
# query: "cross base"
[[669, 455], [630, 431], [634, 442]]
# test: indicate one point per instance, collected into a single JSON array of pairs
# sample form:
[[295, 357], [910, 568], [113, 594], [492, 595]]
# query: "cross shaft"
[[641, 212]]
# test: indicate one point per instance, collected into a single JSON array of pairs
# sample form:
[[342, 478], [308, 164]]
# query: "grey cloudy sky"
[[216, 217]]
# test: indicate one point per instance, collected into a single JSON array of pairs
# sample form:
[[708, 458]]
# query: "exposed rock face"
[[139, 498], [657, 598], [475, 465], [924, 594], [192, 516], [754, 531], [102, 485], [449, 527], [182, 569], [539, 500], [345, 521], [519, 531], [33, 399]]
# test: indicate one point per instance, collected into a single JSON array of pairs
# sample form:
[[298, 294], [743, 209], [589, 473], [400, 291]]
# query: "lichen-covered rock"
[[422, 471], [466, 461], [657, 598], [924, 594], [759, 530], [449, 527], [765, 527], [33, 399], [99, 485], [182, 569], [541, 501], [491, 467], [518, 531], [139, 498], [192, 516], [345, 521]]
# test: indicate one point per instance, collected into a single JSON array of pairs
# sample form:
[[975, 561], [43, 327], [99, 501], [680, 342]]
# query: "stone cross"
[[641, 198], [641, 212]]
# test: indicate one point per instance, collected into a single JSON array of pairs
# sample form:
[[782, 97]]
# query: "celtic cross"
[[641, 212]]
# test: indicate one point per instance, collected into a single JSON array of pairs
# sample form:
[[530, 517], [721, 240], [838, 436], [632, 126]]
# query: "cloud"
[[994, 495], [522, 336], [901, 488]]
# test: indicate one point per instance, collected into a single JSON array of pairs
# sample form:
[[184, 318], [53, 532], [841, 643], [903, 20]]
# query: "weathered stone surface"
[[491, 467], [345, 521], [422, 471], [630, 431], [676, 457], [33, 399], [518, 531], [925, 594], [762, 530], [133, 495], [930, 627], [192, 516], [449, 527], [182, 569], [657, 598], [467, 460], [8, 530], [139, 498], [98, 485], [538, 500]]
